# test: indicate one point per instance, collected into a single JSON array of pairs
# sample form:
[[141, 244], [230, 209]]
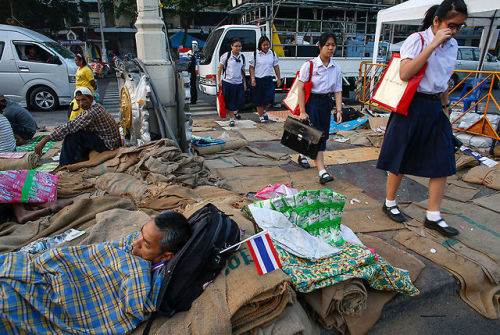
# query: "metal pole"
[[104, 55]]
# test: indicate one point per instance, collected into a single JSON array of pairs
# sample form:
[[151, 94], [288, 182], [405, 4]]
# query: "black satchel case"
[[302, 137]]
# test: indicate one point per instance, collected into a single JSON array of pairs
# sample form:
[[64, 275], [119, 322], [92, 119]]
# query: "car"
[[36, 71], [468, 60]]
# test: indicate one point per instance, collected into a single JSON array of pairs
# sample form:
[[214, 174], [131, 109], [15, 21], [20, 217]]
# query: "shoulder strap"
[[225, 63], [243, 57], [254, 58], [310, 70]]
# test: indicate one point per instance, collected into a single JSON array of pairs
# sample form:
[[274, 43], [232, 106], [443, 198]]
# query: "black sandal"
[[325, 178], [302, 160]]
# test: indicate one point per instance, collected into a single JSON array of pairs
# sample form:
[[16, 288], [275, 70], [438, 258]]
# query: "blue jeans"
[[76, 147]]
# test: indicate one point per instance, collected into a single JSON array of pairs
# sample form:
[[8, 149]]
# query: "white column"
[[150, 38]]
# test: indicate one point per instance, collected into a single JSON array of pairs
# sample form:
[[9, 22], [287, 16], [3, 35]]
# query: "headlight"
[[72, 79]]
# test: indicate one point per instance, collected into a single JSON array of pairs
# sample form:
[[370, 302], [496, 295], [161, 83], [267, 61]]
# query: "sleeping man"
[[102, 288]]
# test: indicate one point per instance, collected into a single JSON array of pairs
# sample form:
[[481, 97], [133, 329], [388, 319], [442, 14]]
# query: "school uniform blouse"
[[265, 63], [440, 64], [324, 79], [232, 74]]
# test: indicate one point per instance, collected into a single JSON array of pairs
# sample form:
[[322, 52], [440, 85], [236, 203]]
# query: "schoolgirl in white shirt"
[[421, 143], [326, 83], [261, 68], [231, 79]]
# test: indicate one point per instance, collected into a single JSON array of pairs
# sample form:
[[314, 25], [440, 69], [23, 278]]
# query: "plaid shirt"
[[92, 289], [95, 120]]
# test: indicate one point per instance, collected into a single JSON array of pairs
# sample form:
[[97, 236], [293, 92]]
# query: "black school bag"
[[197, 263]]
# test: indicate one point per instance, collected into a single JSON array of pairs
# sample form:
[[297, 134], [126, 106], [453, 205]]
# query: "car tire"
[[43, 99]]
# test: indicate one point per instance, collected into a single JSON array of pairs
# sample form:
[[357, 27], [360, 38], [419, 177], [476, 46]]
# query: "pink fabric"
[[27, 186]]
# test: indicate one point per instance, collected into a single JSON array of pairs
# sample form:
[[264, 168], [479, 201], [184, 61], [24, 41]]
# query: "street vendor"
[[101, 288], [93, 130], [84, 78], [22, 122]]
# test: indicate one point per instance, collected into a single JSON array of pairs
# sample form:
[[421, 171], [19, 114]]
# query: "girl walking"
[[261, 74], [231, 73], [326, 81], [84, 78], [421, 143]]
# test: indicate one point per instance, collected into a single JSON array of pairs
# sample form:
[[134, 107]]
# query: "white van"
[[34, 70]]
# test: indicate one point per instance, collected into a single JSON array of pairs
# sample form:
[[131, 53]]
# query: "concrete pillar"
[[152, 51]]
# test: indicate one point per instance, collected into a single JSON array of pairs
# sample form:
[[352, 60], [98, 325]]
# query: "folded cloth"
[[95, 289], [27, 186], [205, 141], [28, 161]]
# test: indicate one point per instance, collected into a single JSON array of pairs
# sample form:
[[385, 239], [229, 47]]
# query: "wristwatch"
[[446, 106]]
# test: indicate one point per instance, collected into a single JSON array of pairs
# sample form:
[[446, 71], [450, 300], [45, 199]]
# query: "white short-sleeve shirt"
[[440, 64], [265, 63], [324, 79], [235, 64]]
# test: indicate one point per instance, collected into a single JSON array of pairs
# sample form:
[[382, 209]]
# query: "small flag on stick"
[[263, 253]]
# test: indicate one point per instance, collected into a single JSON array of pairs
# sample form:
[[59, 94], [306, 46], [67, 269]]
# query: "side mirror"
[[55, 60]]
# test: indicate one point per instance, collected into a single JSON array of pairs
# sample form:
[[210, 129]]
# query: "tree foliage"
[[39, 14]]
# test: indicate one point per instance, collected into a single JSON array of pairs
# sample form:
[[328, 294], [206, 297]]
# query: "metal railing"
[[370, 75]]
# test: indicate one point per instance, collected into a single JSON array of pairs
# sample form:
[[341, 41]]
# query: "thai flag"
[[263, 253]]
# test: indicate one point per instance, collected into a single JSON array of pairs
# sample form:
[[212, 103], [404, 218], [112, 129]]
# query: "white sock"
[[261, 118], [392, 203], [302, 157], [231, 119], [322, 172], [436, 216]]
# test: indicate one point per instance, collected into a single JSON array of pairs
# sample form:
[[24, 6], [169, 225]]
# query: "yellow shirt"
[[84, 76]]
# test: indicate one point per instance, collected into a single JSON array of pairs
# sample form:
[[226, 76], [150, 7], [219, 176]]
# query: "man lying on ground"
[[102, 288], [92, 130], [21, 121]]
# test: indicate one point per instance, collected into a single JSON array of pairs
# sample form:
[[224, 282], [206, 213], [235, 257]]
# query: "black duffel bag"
[[301, 136]]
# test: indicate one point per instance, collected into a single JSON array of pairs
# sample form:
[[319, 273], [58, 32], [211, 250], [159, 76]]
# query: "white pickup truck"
[[218, 43]]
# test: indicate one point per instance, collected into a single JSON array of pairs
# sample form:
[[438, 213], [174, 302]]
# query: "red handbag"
[[221, 104], [291, 100], [394, 93]]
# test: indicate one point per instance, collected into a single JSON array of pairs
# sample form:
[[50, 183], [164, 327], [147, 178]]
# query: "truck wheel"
[[43, 99]]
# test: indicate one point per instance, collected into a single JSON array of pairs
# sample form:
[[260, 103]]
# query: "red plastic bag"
[[221, 104], [291, 100], [270, 191]]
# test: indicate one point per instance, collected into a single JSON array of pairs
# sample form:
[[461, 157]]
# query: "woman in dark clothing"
[[421, 143]]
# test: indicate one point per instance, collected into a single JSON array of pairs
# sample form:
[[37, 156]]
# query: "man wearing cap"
[[92, 130]]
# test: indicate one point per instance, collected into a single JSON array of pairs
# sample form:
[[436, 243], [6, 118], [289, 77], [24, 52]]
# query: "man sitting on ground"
[[21, 121], [103, 288], [92, 130]]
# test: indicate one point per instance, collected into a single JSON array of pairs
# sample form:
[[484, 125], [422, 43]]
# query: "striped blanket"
[[95, 289]]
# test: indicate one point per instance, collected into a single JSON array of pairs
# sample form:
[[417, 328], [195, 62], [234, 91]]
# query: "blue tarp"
[[176, 40], [349, 125]]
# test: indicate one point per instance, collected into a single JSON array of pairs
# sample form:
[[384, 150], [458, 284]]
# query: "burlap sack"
[[331, 304], [476, 287], [28, 162], [482, 174], [232, 144], [126, 185], [79, 215]]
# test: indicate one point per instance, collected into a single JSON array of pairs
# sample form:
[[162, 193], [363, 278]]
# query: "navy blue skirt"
[[263, 91], [320, 111], [419, 144], [234, 95]]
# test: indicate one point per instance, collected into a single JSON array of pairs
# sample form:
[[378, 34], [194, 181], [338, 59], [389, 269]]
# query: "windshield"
[[210, 44], [60, 49]]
